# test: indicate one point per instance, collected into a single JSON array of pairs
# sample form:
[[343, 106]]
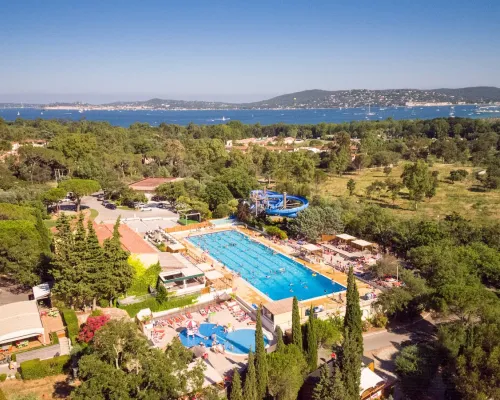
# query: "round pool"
[[238, 342]]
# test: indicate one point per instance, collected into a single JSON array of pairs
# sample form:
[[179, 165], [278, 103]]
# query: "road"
[[43, 353]]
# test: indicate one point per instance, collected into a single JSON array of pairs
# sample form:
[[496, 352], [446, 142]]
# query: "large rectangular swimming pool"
[[272, 273]]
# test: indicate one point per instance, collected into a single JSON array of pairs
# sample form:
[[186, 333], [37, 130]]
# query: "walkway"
[[42, 353]]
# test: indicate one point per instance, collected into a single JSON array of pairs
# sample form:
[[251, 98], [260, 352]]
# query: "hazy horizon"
[[241, 52]]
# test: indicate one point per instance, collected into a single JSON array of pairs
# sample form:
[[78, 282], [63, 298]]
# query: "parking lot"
[[107, 215]]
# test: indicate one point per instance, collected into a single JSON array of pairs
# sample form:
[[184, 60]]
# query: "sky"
[[102, 51]]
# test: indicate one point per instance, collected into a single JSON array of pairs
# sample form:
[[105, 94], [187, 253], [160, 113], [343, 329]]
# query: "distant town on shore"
[[308, 99]]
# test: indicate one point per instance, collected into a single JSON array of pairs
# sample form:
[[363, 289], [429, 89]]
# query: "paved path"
[[107, 215], [43, 353]]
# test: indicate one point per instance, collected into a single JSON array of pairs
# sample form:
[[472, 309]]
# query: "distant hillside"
[[324, 99]]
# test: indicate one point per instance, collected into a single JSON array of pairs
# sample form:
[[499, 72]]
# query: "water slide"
[[274, 203]]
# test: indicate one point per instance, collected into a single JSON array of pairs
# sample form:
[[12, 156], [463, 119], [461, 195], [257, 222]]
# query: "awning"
[[361, 243], [345, 236], [19, 320], [175, 247], [311, 247], [369, 380], [213, 275], [204, 267]]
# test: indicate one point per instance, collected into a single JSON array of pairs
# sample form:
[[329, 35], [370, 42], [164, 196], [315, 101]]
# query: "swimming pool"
[[239, 341], [274, 274]]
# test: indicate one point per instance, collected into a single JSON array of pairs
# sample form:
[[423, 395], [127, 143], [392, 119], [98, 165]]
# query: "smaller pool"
[[238, 342]]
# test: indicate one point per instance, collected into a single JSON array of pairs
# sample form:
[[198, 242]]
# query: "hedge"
[[36, 369], [71, 322], [144, 277], [153, 305]]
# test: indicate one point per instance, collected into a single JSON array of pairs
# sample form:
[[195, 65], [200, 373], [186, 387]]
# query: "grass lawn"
[[50, 223], [182, 221], [93, 214], [460, 196]]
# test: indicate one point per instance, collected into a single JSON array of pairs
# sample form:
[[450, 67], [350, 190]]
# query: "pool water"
[[274, 274], [239, 341]]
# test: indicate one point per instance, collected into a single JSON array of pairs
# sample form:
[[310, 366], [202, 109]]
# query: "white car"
[[146, 208]]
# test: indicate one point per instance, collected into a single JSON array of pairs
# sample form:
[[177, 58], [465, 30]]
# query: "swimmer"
[[306, 287], [291, 284], [291, 290]]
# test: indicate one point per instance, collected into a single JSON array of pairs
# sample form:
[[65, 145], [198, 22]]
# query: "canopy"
[[345, 236], [361, 243], [311, 247], [204, 267], [369, 380], [198, 351], [213, 275]]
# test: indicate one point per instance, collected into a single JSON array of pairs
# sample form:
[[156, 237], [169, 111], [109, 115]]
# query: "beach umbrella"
[[198, 351], [191, 324]]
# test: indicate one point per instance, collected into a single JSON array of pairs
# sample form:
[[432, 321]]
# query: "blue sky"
[[242, 50]]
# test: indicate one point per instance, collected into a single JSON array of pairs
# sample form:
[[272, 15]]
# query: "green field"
[[463, 197]]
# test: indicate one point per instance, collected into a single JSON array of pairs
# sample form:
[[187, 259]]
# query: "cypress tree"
[[338, 391], [260, 357], [352, 319], [280, 345], [311, 342], [236, 392], [323, 389], [351, 367], [296, 328], [80, 261], [94, 257], [42, 231], [250, 388], [119, 271]]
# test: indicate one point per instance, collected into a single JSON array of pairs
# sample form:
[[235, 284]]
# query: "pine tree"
[[323, 389], [280, 345], [296, 328], [43, 232], [260, 357], [351, 367], [94, 257], [250, 388], [118, 270], [236, 392], [337, 388], [311, 342], [352, 319]]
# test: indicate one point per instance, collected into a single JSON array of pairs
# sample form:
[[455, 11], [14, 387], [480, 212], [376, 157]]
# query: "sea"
[[125, 118]]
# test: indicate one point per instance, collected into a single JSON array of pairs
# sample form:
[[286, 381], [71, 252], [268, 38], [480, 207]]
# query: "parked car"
[[111, 206], [146, 208], [138, 204]]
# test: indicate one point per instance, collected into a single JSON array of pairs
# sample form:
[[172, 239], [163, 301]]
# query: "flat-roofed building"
[[148, 185], [20, 321]]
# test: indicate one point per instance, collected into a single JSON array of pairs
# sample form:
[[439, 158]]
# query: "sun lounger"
[[188, 315], [251, 323], [203, 312]]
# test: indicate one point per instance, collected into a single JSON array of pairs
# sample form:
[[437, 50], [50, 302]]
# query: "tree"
[[351, 366], [287, 370], [338, 390], [80, 188], [280, 345], [52, 197], [351, 186], [387, 265], [121, 365], [311, 342], [260, 357], [352, 319], [296, 326], [419, 181], [118, 270], [250, 388], [243, 211], [217, 193], [171, 191], [317, 220], [236, 392], [95, 264], [324, 388]]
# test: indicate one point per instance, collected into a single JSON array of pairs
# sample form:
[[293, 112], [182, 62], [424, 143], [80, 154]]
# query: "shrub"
[[223, 210], [96, 313], [36, 369], [103, 303], [3, 377], [71, 321], [144, 277], [379, 320], [13, 357], [154, 306], [365, 325], [92, 325], [458, 175], [275, 231], [18, 376]]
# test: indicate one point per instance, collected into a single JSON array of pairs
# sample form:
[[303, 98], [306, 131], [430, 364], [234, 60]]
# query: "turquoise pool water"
[[274, 274], [238, 342]]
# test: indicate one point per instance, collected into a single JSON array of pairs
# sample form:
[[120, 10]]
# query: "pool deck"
[[331, 303]]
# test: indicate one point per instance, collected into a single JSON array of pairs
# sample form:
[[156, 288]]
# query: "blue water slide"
[[275, 203]]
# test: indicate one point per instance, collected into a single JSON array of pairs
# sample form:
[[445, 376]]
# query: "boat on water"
[[18, 113], [80, 110], [369, 111], [488, 109]]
